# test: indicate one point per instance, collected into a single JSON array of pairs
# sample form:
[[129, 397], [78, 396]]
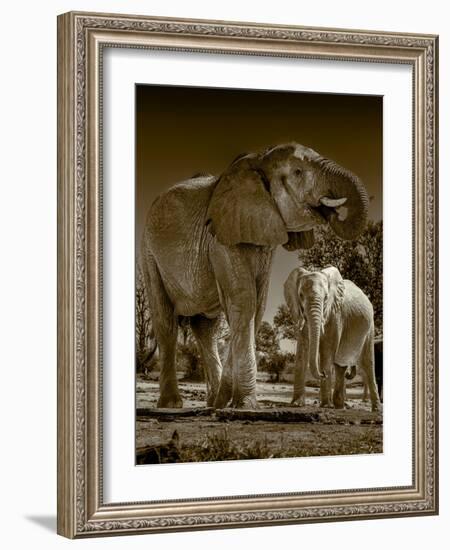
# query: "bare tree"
[[145, 341]]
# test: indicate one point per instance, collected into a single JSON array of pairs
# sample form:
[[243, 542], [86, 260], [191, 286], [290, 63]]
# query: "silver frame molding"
[[81, 38]]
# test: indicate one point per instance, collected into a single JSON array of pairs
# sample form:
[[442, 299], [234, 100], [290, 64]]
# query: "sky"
[[184, 130]]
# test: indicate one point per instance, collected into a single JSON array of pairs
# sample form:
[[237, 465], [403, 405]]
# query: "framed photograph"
[[247, 289]]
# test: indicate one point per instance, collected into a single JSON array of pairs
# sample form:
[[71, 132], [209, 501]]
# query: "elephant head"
[[312, 297], [279, 196]]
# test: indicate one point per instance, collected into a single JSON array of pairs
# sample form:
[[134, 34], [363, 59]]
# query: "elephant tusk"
[[333, 203]]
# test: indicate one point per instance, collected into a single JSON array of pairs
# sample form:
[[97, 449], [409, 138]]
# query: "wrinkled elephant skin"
[[207, 250]]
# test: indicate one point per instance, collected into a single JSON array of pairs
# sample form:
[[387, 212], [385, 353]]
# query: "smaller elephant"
[[335, 326]]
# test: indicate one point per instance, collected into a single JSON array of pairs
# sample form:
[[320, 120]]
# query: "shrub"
[[274, 363], [220, 446]]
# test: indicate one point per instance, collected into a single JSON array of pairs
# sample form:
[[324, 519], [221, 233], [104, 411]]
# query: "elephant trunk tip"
[[317, 373]]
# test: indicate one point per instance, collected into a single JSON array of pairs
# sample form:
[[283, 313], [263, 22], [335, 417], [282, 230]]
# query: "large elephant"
[[335, 327], [208, 245]]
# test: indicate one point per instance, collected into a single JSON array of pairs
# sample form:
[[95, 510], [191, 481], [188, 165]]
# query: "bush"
[[274, 363], [221, 447]]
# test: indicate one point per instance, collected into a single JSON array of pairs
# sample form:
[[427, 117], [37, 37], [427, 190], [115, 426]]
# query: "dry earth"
[[203, 435]]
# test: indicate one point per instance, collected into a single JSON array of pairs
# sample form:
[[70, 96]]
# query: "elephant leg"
[[243, 356], [339, 387], [365, 395], [238, 297], [300, 368], [165, 327], [242, 348], [238, 384], [241, 351], [326, 384], [225, 391], [367, 365], [205, 332], [262, 289], [379, 368]]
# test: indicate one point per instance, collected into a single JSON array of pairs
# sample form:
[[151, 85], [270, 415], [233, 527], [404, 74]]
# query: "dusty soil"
[[203, 435]]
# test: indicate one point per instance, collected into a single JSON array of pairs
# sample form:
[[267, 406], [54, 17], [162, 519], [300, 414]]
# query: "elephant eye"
[[298, 172]]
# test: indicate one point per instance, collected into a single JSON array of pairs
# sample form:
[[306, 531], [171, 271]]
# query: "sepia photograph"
[[259, 274], [247, 282]]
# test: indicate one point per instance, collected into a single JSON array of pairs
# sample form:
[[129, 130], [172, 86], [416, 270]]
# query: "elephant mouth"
[[327, 212], [319, 215]]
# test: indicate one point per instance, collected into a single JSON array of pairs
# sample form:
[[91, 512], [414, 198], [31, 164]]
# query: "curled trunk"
[[349, 219]]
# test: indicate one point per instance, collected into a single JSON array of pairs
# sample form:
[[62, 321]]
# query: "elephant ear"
[[336, 290], [299, 239], [291, 295], [241, 209]]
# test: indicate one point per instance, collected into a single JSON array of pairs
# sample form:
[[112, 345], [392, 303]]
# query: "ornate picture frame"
[[82, 39]]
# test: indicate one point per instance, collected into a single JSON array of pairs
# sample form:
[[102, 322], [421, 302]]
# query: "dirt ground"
[[203, 435]]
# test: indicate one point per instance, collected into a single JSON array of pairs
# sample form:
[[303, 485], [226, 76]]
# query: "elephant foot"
[[170, 402], [376, 407], [249, 402], [211, 399], [338, 401], [223, 396], [326, 405], [298, 401]]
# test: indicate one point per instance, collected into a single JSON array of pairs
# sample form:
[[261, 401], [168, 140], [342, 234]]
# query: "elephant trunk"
[[350, 219], [314, 326]]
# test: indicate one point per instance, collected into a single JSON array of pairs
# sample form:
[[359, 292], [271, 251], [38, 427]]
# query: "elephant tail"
[[151, 350], [351, 373]]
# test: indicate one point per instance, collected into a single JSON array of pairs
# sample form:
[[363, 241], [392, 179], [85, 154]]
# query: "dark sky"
[[184, 130]]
